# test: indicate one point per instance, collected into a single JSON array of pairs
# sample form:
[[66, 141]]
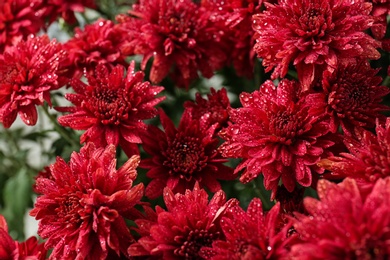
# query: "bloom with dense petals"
[[112, 107], [343, 224], [82, 208], [179, 35], [18, 19], [28, 72], [351, 96], [276, 135], [190, 222], [211, 111], [97, 43], [251, 235], [368, 159], [313, 35], [183, 156], [13, 250]]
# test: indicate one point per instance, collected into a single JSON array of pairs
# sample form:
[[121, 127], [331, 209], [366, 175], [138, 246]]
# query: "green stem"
[[15, 150], [386, 81], [63, 133], [293, 74], [258, 73], [14, 145], [261, 193]]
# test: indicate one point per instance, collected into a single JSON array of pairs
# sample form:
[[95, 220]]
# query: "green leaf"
[[34, 136], [17, 198]]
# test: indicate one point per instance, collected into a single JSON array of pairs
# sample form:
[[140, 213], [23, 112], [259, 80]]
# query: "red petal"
[[29, 115]]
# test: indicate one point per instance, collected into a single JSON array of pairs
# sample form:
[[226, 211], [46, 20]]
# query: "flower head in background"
[[183, 156], [179, 35], [368, 159], [28, 72], [66, 9], [82, 208], [18, 19], [212, 110], [352, 97], [235, 17], [97, 43], [10, 249], [112, 107], [313, 35], [251, 235], [276, 135], [189, 223], [31, 249], [44, 173], [380, 11], [343, 225]]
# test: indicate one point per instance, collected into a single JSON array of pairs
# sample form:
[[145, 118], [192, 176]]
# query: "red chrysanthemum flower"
[[351, 96], [183, 156], [189, 223], [66, 9], [251, 235], [13, 250], [236, 18], [28, 72], [83, 207], [211, 111], [99, 42], [112, 107], [343, 225], [181, 37], [277, 136], [18, 19], [313, 35], [368, 159]]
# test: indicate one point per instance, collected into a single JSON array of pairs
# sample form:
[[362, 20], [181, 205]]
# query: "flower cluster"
[[183, 37], [242, 129], [19, 19]]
